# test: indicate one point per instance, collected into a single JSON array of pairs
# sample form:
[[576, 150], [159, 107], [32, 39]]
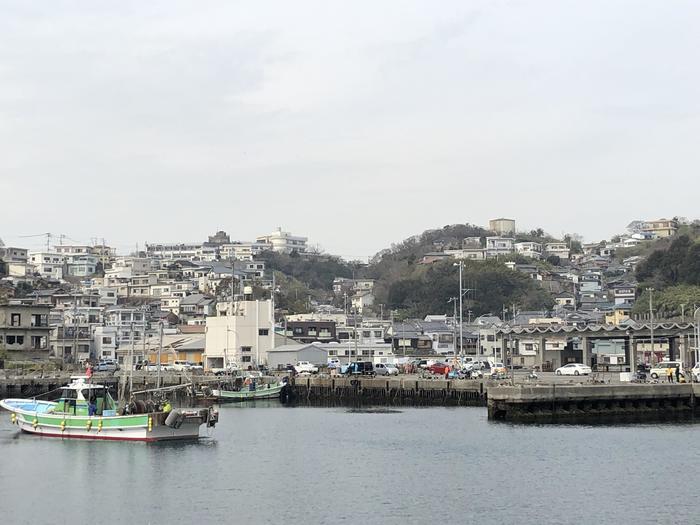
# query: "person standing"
[[669, 375], [678, 373]]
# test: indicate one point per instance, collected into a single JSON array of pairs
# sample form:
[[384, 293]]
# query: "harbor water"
[[274, 464]]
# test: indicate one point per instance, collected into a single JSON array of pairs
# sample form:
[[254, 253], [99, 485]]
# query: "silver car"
[[382, 369]]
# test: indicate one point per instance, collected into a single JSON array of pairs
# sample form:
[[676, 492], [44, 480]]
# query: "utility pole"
[[160, 349], [131, 359], [461, 309], [354, 322], [696, 319], [651, 325]]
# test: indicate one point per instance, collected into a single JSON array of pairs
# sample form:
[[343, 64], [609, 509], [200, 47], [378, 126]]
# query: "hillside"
[[405, 285]]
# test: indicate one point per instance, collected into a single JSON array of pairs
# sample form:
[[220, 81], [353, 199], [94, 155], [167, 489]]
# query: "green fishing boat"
[[88, 411]]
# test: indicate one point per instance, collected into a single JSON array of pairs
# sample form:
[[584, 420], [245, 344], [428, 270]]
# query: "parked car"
[[499, 370], [365, 368], [659, 370], [573, 369], [305, 366], [333, 362], [107, 365], [230, 368], [386, 369], [695, 371], [438, 368], [181, 365]]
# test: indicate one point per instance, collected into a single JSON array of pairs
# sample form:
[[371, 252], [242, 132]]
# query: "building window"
[[246, 348], [263, 331], [246, 359], [11, 339], [15, 319], [106, 340], [366, 333], [378, 333]]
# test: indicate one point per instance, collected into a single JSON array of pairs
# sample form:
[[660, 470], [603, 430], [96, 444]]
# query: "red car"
[[438, 368]]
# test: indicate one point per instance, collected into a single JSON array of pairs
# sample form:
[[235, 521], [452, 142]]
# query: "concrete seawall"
[[390, 391], [593, 403]]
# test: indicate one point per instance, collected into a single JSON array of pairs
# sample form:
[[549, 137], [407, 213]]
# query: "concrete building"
[[243, 251], [81, 265], [105, 342], [502, 226], [660, 228], [558, 249], [242, 333], [280, 357], [186, 251], [12, 254], [529, 249], [311, 331], [24, 326], [50, 265], [499, 246], [284, 242]]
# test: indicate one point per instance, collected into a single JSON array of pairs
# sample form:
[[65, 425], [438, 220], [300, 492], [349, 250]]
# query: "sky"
[[357, 124]]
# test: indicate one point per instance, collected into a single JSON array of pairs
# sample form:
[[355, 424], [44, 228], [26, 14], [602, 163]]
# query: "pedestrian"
[[678, 373], [669, 375]]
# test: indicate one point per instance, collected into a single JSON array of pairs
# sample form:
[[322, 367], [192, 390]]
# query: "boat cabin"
[[77, 397]]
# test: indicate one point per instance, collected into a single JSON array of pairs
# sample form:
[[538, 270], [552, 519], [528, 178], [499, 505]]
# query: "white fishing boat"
[[88, 411]]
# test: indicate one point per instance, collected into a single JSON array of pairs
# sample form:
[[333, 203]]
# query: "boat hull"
[[271, 392], [137, 427]]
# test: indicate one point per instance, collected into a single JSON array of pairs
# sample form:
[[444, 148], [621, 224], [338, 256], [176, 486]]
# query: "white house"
[[48, 264], [499, 246], [529, 249], [559, 249]]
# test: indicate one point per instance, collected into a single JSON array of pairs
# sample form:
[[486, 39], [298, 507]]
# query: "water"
[[273, 464]]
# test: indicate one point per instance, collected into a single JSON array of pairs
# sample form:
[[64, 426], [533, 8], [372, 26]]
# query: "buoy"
[[63, 425], [35, 423], [13, 418], [88, 425], [99, 425], [150, 424]]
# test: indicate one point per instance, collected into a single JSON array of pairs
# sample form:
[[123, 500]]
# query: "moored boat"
[[88, 411], [250, 392]]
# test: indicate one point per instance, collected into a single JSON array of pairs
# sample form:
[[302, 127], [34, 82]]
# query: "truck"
[[305, 367]]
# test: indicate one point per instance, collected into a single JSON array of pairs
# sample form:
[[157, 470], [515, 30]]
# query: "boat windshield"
[[87, 401]]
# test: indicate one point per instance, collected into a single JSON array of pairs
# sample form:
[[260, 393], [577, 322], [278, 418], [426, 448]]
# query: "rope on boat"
[[47, 393]]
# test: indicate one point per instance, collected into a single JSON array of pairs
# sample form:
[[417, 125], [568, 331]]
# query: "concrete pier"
[[390, 391], [593, 403]]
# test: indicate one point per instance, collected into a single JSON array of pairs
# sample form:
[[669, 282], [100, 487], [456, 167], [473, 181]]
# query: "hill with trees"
[[672, 270]]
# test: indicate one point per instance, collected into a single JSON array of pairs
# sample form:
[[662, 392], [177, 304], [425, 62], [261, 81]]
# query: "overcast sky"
[[355, 123]]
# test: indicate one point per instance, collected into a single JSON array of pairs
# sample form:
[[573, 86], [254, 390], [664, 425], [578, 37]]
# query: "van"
[[365, 368], [659, 369]]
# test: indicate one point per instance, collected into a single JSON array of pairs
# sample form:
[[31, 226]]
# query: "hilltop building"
[[502, 226]]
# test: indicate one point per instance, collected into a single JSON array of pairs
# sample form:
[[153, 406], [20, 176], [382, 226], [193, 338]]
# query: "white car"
[[305, 367], [695, 371], [573, 369], [660, 370]]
